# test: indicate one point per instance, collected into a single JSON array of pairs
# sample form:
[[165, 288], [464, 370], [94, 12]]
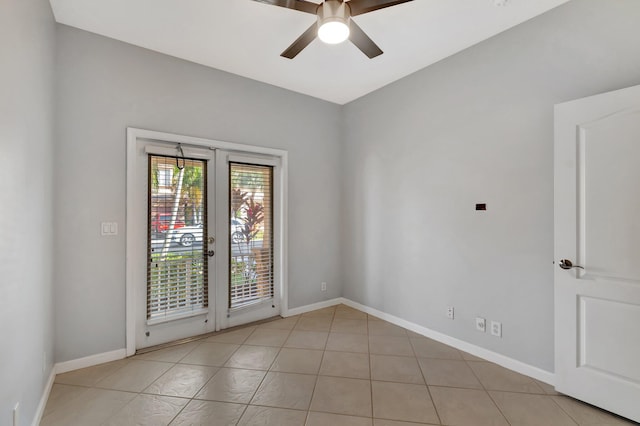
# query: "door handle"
[[567, 264]]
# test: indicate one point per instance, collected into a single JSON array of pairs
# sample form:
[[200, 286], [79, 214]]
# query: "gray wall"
[[26, 138], [410, 160], [475, 128], [104, 86]]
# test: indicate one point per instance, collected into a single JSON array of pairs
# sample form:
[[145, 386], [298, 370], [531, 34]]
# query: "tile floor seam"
[[253, 395], [370, 370], [75, 385], [370, 374], [189, 352], [486, 390], [435, 407], [113, 414], [475, 375], [202, 387], [158, 378], [179, 412], [246, 407], [498, 407], [185, 406], [565, 411], [196, 394], [313, 392], [110, 374], [52, 412], [272, 406], [239, 417], [415, 354], [267, 371]]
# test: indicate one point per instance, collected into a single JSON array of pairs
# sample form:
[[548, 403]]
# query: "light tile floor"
[[335, 366]]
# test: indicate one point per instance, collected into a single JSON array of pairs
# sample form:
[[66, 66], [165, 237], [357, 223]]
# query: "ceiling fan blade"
[[362, 41], [302, 42], [358, 7], [301, 5]]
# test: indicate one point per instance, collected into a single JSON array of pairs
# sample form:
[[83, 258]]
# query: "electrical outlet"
[[496, 328], [323, 286], [481, 324], [450, 312]]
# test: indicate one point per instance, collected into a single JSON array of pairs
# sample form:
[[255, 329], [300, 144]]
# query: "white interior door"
[[174, 221], [597, 227]]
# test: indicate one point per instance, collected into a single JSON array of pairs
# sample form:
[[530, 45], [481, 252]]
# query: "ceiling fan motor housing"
[[333, 12]]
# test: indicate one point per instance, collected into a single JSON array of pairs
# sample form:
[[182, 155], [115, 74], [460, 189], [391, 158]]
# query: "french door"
[[204, 237], [252, 216], [177, 210]]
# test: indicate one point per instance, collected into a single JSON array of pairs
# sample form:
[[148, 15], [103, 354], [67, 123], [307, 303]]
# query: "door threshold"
[[203, 336]]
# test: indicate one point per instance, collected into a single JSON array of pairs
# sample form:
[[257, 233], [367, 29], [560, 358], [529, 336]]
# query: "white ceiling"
[[246, 38]]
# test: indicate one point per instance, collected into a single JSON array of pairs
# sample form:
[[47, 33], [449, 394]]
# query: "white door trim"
[[134, 237]]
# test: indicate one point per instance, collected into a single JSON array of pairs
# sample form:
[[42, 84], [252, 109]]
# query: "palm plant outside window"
[[251, 248], [177, 268]]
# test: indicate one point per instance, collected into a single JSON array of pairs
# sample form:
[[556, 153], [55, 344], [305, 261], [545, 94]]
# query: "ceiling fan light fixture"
[[333, 22], [333, 32]]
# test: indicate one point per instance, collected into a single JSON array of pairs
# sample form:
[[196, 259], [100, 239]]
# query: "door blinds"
[[177, 278], [251, 234]]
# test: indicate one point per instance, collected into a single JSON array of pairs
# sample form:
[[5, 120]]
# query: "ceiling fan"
[[334, 23]]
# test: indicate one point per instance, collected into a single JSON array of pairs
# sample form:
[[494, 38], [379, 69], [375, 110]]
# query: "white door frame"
[[135, 237]]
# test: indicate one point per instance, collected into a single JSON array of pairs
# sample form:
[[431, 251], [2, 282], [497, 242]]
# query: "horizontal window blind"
[[251, 234], [177, 278]]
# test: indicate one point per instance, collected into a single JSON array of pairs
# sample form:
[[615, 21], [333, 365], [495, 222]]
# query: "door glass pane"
[[251, 234], [177, 265]]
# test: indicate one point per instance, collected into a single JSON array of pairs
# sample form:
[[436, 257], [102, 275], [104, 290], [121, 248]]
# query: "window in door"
[[251, 277], [177, 272]]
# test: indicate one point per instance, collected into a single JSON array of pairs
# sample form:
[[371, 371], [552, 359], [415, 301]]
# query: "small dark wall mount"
[[482, 206]]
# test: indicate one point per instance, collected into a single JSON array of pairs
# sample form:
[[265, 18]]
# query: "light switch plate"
[[108, 229]]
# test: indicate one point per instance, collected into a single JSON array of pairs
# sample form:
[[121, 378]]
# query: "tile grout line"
[[246, 406], [137, 393], [370, 371], [413, 349], [484, 388], [563, 410], [205, 384], [218, 369], [266, 372], [313, 392]]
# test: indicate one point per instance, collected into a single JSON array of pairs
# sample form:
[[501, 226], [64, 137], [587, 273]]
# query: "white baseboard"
[[90, 361], [312, 307], [502, 360], [74, 364], [44, 398]]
